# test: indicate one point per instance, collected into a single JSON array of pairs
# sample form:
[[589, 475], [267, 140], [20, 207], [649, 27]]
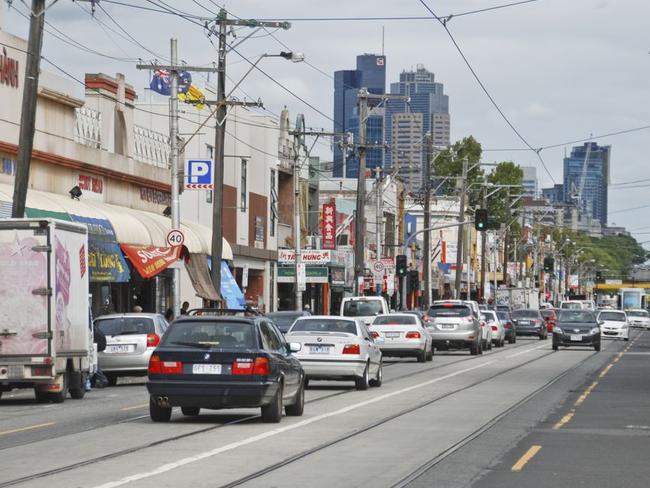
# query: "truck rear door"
[[25, 328]]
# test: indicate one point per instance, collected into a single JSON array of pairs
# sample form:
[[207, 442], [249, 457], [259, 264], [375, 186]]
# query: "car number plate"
[[206, 369], [120, 348], [524, 322], [446, 326], [319, 349], [392, 335], [576, 338]]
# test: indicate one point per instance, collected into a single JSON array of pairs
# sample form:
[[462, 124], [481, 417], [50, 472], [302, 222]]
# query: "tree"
[[450, 164], [504, 173]]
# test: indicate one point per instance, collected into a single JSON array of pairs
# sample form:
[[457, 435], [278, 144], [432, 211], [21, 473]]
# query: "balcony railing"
[[151, 147], [88, 124]]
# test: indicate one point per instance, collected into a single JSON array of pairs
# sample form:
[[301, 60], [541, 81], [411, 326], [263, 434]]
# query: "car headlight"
[[595, 330], [557, 330]]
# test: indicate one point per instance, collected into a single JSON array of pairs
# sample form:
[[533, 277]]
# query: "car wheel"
[[306, 383], [422, 355], [480, 348], [597, 347], [158, 413], [430, 354], [298, 406], [59, 396], [503, 342], [272, 413], [112, 379], [379, 379], [473, 349], [190, 411], [511, 340], [79, 391], [362, 382], [41, 396], [489, 347]]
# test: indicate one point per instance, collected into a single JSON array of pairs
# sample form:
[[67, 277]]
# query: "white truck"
[[45, 332], [364, 308]]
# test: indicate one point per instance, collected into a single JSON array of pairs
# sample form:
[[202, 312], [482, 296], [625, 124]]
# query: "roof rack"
[[246, 312]]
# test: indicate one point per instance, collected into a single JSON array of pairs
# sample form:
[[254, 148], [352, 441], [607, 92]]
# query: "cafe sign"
[[8, 70]]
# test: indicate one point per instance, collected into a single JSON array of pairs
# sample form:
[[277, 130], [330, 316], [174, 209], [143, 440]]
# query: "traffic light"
[[400, 265], [481, 219], [599, 276], [549, 264]]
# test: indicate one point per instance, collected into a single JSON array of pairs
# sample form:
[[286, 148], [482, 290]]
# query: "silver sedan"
[[401, 335], [337, 348]]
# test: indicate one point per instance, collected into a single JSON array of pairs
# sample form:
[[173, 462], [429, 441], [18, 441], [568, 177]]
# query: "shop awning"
[[151, 260], [197, 268]]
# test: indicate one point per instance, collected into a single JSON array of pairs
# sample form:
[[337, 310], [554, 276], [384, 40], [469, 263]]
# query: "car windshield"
[[395, 320], [488, 317], [325, 325], [283, 319], [525, 314], [638, 313], [576, 316], [211, 334], [449, 310], [114, 326], [613, 316], [362, 308]]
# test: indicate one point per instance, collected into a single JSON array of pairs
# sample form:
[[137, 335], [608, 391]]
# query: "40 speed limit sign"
[[175, 238]]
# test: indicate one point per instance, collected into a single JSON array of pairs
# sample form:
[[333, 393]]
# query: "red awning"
[[151, 260]]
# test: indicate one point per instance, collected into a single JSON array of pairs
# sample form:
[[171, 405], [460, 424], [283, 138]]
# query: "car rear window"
[[489, 317], [638, 313], [450, 310], [362, 308], [576, 316], [126, 326], [525, 314], [395, 320], [320, 325], [211, 334], [615, 316]]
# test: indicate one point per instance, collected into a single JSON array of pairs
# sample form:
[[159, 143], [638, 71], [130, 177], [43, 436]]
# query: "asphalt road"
[[451, 422]]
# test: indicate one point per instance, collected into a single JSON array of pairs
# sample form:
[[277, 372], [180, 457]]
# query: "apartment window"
[[274, 204], [243, 184]]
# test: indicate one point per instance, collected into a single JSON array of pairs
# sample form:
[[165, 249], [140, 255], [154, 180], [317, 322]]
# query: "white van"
[[364, 308]]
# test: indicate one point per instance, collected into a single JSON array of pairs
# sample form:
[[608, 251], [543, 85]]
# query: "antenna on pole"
[[382, 39]]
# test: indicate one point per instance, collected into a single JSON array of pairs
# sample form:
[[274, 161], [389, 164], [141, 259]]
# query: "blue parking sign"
[[199, 174]]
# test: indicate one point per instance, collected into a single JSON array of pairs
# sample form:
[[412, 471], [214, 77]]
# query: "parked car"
[[639, 318], [498, 330], [130, 340], [364, 308], [454, 326], [402, 335], [217, 362], [337, 348], [550, 316], [529, 322], [508, 325], [285, 319], [576, 328], [614, 325]]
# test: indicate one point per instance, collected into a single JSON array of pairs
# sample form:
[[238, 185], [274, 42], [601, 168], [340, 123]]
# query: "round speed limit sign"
[[175, 238], [378, 266]]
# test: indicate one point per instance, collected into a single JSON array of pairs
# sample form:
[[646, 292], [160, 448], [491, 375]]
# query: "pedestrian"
[[169, 314], [184, 308], [137, 309], [99, 380]]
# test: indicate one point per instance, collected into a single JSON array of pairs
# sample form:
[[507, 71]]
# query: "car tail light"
[[495, 328], [375, 335], [483, 324], [157, 366], [351, 349], [41, 370], [414, 334], [153, 340], [247, 367], [535, 322]]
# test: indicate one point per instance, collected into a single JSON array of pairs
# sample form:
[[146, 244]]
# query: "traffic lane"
[[402, 445], [93, 444], [219, 457], [598, 438]]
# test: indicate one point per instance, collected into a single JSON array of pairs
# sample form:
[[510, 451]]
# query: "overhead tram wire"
[[485, 90]]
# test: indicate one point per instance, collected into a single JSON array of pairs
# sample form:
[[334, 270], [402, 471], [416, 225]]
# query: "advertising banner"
[[329, 226], [151, 260]]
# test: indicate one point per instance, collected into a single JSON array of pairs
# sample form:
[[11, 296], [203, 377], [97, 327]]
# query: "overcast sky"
[[561, 70]]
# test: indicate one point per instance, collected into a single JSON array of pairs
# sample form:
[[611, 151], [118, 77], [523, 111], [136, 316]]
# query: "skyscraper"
[[405, 125], [586, 170], [529, 182], [371, 74]]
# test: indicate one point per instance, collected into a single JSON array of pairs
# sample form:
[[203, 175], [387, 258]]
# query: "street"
[[458, 421]]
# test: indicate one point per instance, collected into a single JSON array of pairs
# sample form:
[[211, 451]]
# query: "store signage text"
[[329, 225], [308, 257], [91, 184], [155, 196], [8, 70]]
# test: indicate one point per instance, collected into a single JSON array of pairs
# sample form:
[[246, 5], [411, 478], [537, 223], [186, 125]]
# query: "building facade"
[[406, 124], [529, 182], [370, 73]]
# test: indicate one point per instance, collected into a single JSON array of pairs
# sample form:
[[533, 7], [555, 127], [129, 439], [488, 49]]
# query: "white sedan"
[[639, 318], [337, 348], [614, 325], [401, 335]]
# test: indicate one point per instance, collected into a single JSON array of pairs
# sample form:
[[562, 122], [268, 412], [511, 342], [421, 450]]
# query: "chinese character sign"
[[329, 225]]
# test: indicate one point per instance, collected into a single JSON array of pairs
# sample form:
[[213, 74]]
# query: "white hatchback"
[[337, 348], [639, 318], [402, 335], [614, 325]]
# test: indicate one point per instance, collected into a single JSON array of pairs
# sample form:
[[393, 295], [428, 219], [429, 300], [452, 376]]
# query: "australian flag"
[[162, 82]]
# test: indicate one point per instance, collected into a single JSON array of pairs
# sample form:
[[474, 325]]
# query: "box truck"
[[45, 331]]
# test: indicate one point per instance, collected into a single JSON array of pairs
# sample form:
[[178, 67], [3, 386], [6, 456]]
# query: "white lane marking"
[[638, 427], [250, 440], [526, 351]]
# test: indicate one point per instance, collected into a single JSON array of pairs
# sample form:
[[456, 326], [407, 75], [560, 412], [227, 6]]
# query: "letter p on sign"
[[199, 174]]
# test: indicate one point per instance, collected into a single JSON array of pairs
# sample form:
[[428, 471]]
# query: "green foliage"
[[504, 173], [450, 163]]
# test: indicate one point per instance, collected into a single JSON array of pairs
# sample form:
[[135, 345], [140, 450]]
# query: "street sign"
[[175, 238], [199, 174], [302, 276], [378, 267], [329, 226]]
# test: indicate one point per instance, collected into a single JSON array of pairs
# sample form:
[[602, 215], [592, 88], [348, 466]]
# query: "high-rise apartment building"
[[529, 182], [586, 177], [406, 124], [371, 74]]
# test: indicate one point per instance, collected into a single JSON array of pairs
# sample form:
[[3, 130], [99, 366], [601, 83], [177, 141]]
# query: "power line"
[[485, 90]]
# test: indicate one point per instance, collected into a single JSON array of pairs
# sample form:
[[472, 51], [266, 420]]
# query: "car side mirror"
[[392, 310], [294, 347], [601, 322]]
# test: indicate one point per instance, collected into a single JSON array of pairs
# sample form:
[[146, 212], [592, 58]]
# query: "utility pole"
[[174, 155], [427, 222], [483, 249], [359, 229], [461, 218], [378, 212], [506, 240], [28, 110], [223, 23]]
